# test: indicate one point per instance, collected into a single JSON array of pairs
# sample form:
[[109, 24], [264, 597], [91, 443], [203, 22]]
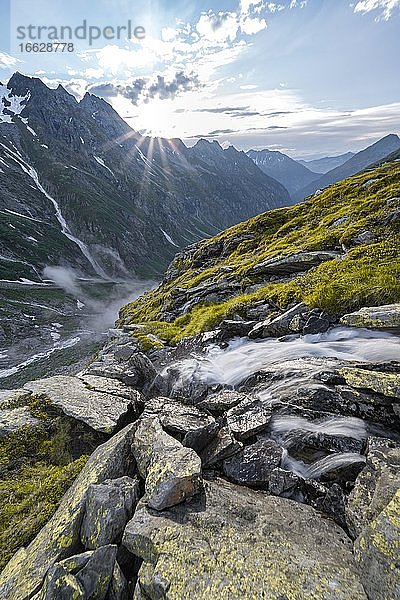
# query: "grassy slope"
[[367, 275]]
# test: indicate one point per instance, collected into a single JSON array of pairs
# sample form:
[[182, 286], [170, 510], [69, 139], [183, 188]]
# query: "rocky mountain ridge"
[[249, 414]]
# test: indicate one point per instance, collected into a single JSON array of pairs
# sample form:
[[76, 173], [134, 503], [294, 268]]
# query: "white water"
[[290, 428], [29, 170], [322, 466], [244, 357]]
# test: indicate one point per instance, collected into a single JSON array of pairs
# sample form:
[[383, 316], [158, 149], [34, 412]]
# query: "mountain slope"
[[109, 201], [357, 163], [339, 251], [284, 169], [323, 165]]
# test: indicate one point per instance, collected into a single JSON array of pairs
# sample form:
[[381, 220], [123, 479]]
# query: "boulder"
[[230, 329], [387, 384], [118, 589], [173, 475], [172, 472], [377, 552], [222, 446], [248, 418], [101, 411], [254, 464], [111, 386], [193, 427], [283, 483], [295, 263], [108, 508], [220, 402], [375, 486], [375, 317], [278, 326], [233, 542], [23, 575], [316, 324], [137, 371]]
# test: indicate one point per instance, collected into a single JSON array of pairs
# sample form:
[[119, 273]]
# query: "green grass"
[[366, 275], [38, 463]]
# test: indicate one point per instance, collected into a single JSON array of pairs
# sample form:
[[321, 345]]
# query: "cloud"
[[7, 61], [386, 7], [221, 27], [252, 25], [142, 89]]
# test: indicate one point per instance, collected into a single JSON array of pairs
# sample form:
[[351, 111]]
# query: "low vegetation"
[[366, 273]]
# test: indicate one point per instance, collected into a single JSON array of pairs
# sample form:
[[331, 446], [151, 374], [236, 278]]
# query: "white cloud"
[[168, 34], [7, 61], [386, 7], [219, 27], [252, 25]]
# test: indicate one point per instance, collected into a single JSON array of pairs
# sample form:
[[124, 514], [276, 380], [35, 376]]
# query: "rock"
[[14, 419], [386, 317], [230, 329], [387, 384], [234, 542], [295, 263], [194, 427], [222, 446], [100, 411], [375, 486], [316, 324], [108, 508], [111, 386], [173, 474], [278, 326], [138, 371], [253, 465], [377, 552], [365, 237], [23, 575], [283, 483], [222, 401], [59, 584], [118, 589], [248, 418]]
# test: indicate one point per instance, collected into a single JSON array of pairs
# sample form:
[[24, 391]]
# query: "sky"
[[307, 77]]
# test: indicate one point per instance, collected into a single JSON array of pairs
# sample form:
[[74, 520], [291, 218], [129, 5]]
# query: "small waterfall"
[[322, 466], [64, 226], [290, 429]]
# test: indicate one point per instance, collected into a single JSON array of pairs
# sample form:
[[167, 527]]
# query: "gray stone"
[[118, 589], [108, 508], [23, 575], [385, 317], [253, 465], [147, 431], [222, 446], [14, 419], [230, 329], [283, 483], [387, 384], [220, 402], [248, 418], [111, 386], [295, 263], [278, 326], [377, 552], [375, 486], [316, 324], [95, 576], [234, 542], [59, 584], [194, 427], [99, 410]]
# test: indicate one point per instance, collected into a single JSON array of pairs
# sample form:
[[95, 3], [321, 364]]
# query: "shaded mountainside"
[[323, 165], [338, 251], [288, 172], [80, 188], [355, 164]]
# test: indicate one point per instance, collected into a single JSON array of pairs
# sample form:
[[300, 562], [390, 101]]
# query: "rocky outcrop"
[[387, 384], [239, 543], [295, 263], [101, 411], [386, 318]]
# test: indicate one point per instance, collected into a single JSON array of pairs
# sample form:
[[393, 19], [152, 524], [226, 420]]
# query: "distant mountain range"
[[80, 188], [284, 169], [301, 182], [323, 165]]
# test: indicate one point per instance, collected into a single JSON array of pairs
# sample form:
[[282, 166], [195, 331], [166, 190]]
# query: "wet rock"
[[376, 484], [375, 317], [99, 410], [222, 446], [230, 329], [222, 401], [283, 483], [248, 418], [253, 465], [328, 499], [173, 474], [387, 384], [295, 263], [193, 427], [377, 552], [346, 469], [278, 326], [316, 324], [238, 543], [23, 575], [108, 507]]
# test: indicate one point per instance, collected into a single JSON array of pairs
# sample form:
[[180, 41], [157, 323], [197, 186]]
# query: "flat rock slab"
[[101, 411], [106, 385], [14, 419], [233, 542], [387, 384], [295, 263], [385, 317]]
